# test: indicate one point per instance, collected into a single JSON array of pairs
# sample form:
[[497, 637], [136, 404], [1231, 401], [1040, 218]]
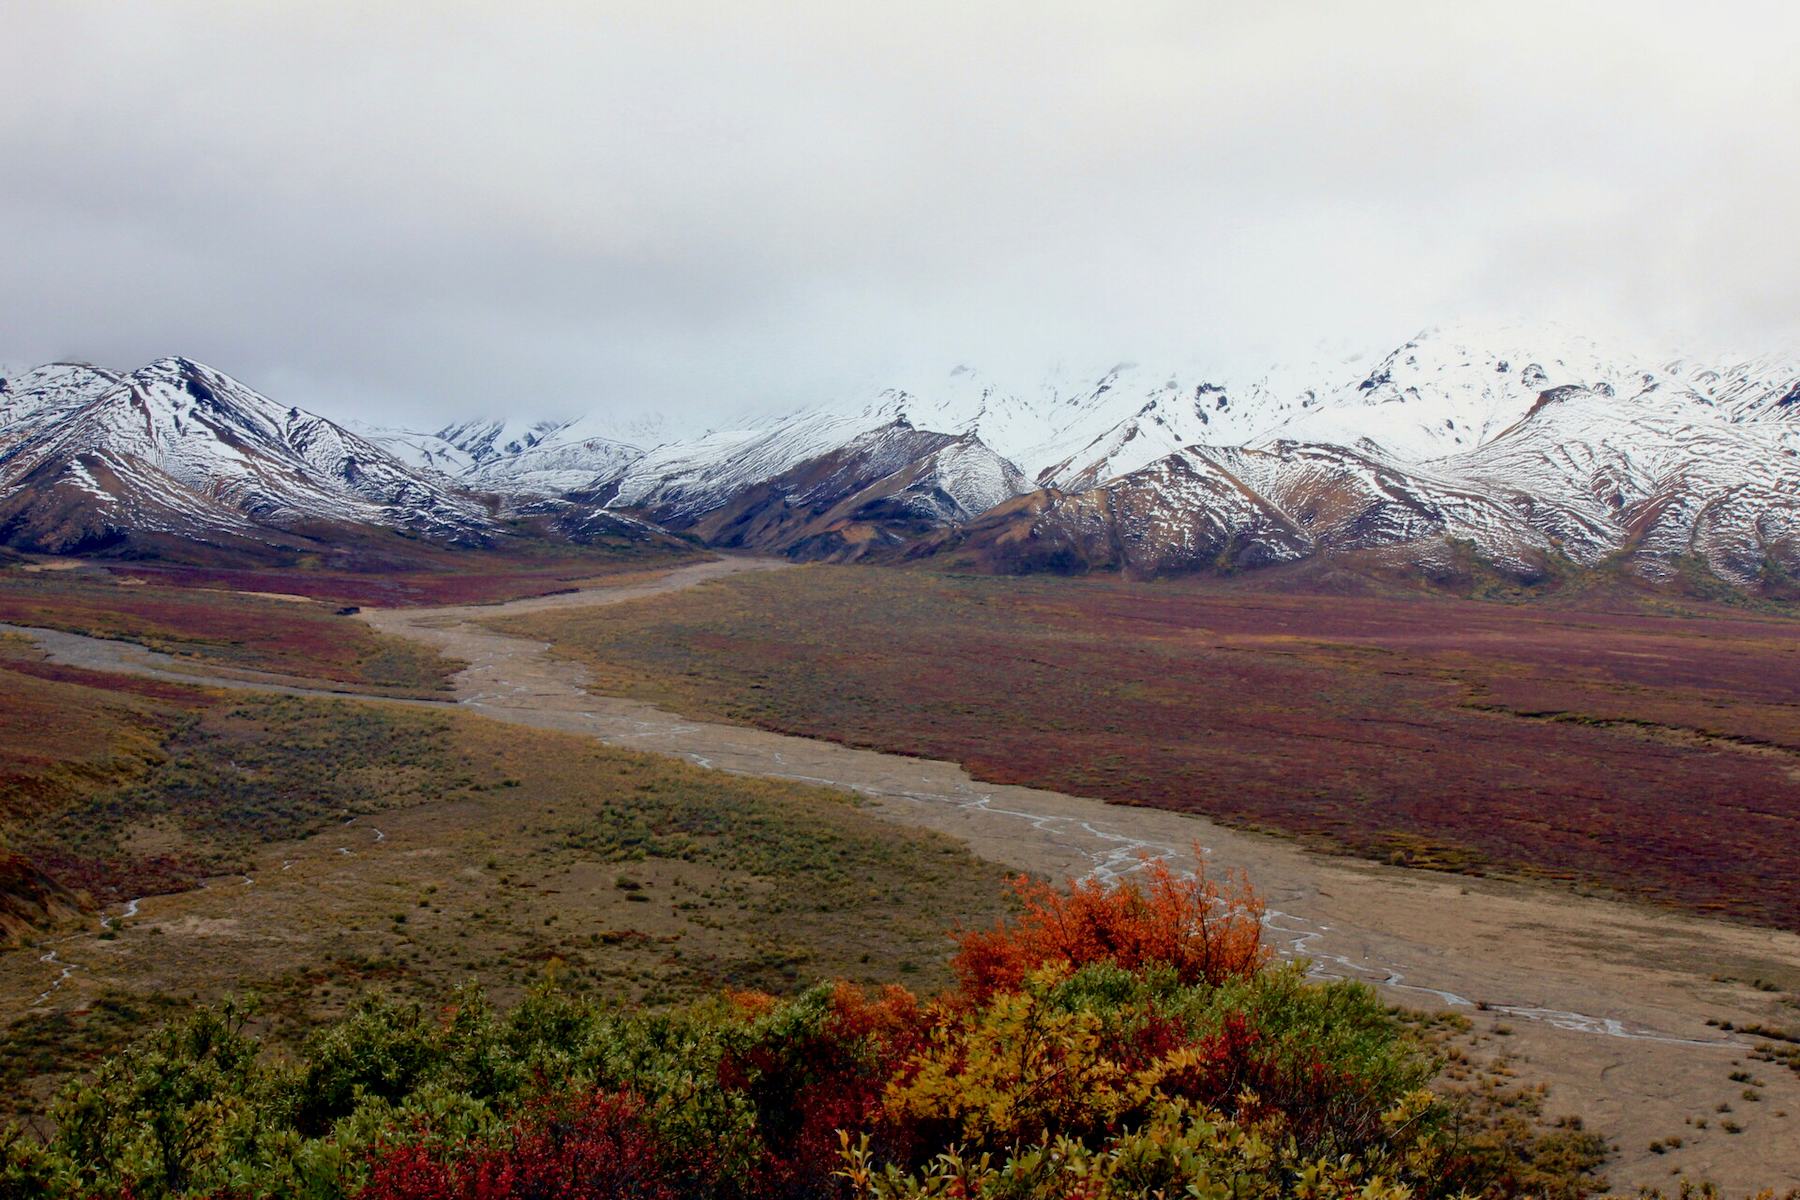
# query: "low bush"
[[1204, 932], [593, 1147], [1113, 1041]]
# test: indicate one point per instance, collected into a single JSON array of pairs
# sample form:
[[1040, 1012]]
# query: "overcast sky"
[[418, 211]]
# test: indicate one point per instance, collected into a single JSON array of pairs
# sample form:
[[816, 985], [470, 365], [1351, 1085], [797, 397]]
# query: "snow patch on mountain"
[[1450, 391], [573, 457], [484, 441], [421, 451], [49, 393], [688, 478], [178, 447], [1765, 388]]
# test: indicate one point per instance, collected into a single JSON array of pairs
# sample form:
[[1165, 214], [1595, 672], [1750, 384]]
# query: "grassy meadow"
[[279, 633], [1652, 755], [310, 851]]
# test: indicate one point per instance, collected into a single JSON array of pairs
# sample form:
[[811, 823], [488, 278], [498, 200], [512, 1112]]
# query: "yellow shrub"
[[1182, 1151], [1012, 1072]]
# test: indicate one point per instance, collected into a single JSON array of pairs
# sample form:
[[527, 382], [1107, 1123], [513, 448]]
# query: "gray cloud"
[[437, 209]]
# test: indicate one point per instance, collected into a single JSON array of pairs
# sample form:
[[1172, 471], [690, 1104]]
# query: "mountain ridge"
[[1528, 446]]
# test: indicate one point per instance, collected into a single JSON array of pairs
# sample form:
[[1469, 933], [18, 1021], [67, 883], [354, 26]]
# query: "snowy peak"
[[521, 460], [1757, 389], [1449, 391], [56, 388], [1071, 428], [420, 451], [484, 441], [460, 448], [572, 459], [179, 448], [882, 489]]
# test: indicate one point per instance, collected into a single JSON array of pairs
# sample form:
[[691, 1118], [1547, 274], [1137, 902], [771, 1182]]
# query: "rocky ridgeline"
[[1526, 453]]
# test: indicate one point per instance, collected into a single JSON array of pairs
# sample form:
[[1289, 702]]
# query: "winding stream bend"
[[1350, 920], [515, 679]]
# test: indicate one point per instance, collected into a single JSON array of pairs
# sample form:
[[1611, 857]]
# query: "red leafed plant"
[[588, 1148], [893, 1022], [807, 1084], [1206, 931]]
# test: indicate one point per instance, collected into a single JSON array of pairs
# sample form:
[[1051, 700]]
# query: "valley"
[[1647, 754], [1478, 660], [1616, 1005]]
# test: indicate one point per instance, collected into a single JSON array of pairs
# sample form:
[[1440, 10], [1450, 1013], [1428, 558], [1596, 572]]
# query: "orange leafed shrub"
[[1206, 931], [894, 1019], [750, 1004]]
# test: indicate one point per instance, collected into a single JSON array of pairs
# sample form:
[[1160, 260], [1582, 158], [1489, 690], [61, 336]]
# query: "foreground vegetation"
[[320, 850], [1108, 1042], [1655, 755]]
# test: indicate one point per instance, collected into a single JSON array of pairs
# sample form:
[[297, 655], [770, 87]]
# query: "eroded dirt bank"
[[1607, 1002]]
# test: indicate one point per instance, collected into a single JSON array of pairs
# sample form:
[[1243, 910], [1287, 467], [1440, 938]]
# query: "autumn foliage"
[[1116, 1040], [1206, 932], [591, 1148]]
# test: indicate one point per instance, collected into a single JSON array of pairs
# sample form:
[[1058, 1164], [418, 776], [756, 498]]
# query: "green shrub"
[[1099, 1082]]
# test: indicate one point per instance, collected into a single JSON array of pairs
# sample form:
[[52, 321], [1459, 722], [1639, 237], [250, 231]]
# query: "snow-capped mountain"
[[89, 457], [1580, 458], [1757, 389], [1446, 392], [1664, 478], [1524, 448], [1072, 429], [885, 488], [1527, 445]]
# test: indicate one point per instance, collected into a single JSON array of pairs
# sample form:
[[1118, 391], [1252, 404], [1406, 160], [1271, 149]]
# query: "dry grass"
[[451, 577], [503, 855], [65, 734]]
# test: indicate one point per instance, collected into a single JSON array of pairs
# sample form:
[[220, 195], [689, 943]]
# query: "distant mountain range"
[[177, 457], [1526, 452]]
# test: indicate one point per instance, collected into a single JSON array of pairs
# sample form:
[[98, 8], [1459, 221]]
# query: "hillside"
[[176, 460]]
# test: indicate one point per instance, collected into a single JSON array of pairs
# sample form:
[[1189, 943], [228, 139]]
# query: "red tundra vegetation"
[[1656, 753]]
